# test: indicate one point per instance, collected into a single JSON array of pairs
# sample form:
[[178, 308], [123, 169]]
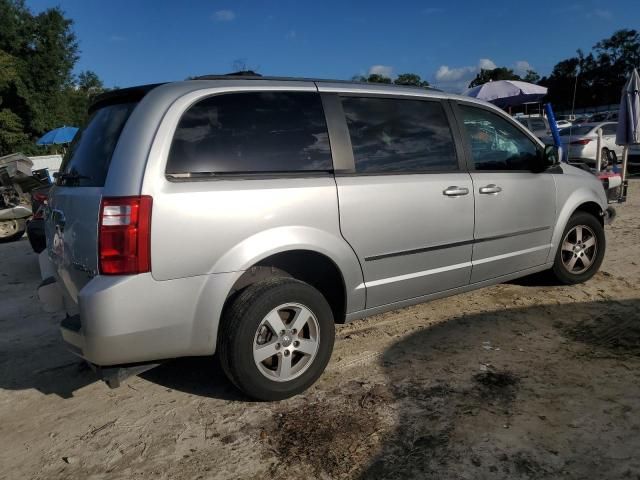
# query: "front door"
[[515, 203], [407, 209]]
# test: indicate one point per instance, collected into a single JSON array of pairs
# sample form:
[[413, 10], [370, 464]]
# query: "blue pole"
[[552, 124]]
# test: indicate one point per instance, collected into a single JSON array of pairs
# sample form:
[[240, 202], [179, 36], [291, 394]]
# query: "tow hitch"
[[113, 376]]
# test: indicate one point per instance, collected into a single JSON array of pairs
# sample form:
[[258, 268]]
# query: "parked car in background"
[[563, 124], [611, 116], [247, 216], [537, 124], [579, 143]]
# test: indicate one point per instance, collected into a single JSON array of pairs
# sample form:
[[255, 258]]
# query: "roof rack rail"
[[251, 75]]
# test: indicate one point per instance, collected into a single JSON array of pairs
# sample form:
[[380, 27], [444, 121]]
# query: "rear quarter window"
[[87, 161], [252, 132]]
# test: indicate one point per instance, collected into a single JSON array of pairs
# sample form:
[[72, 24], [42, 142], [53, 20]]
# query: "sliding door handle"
[[455, 191], [490, 189]]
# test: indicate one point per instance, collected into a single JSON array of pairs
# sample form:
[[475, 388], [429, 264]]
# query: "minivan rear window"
[[87, 162], [252, 132]]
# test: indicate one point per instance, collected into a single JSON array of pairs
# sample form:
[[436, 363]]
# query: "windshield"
[[87, 162], [575, 131]]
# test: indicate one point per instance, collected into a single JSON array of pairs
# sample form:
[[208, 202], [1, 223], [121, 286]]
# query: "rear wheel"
[[581, 249], [276, 338], [11, 230]]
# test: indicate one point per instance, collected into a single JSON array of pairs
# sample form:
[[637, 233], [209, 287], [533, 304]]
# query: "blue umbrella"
[[507, 93], [58, 136]]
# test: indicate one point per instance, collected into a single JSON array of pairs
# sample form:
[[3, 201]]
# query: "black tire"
[[17, 235], [239, 327], [559, 269]]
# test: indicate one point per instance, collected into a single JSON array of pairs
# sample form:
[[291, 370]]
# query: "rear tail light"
[[124, 235], [584, 141], [40, 197]]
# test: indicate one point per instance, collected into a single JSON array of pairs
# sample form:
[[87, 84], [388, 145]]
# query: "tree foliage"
[[492, 75], [38, 91], [598, 76], [410, 79]]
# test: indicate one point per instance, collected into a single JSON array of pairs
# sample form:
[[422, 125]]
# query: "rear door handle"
[[455, 191], [490, 189]]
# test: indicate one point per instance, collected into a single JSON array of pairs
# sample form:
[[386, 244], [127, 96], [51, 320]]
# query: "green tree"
[[410, 79], [372, 78], [88, 81], [488, 75], [531, 77], [598, 76], [37, 56]]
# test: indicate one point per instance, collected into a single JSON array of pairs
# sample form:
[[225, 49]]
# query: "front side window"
[[496, 144], [391, 135], [254, 132]]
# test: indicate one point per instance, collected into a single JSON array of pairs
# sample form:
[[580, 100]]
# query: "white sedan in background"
[[579, 142]]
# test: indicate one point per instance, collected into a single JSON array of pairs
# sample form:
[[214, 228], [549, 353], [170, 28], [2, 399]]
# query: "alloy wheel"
[[579, 249], [286, 342]]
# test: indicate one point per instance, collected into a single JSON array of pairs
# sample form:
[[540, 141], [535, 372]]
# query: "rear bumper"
[[128, 319], [134, 319]]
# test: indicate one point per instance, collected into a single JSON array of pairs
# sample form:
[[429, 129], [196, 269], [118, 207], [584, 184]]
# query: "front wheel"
[[581, 249], [276, 338]]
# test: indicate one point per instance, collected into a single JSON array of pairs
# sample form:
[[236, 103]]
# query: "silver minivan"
[[246, 216]]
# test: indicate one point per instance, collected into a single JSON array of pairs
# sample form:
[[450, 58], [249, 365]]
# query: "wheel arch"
[[272, 252], [585, 200], [309, 266]]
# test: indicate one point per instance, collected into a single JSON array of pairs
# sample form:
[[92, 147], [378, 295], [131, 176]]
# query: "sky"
[[446, 42]]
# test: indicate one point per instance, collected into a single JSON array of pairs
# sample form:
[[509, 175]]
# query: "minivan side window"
[[390, 135], [252, 132], [495, 143]]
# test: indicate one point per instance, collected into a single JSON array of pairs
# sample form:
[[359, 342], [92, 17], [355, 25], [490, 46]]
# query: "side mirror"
[[551, 156]]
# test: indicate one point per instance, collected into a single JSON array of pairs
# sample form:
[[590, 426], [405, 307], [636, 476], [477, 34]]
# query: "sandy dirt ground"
[[525, 380]]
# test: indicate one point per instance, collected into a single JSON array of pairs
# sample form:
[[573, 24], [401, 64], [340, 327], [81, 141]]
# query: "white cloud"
[[384, 70], [446, 74], [457, 79], [521, 67], [291, 34], [224, 15], [486, 64]]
